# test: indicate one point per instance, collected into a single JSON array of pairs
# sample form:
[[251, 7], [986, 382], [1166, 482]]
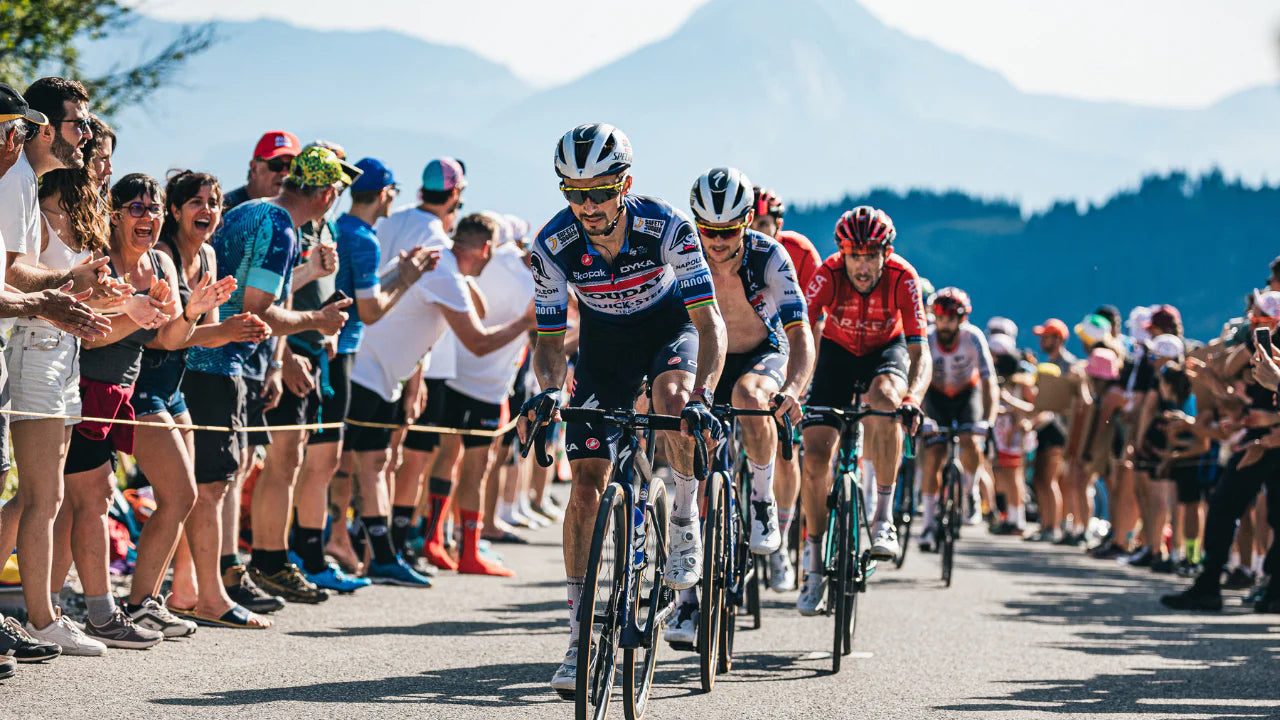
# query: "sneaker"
[[782, 577], [244, 592], [7, 667], [153, 615], [16, 643], [1040, 535], [121, 632], [765, 537], [1240, 578], [813, 594], [290, 584], [929, 539], [884, 544], [68, 635], [332, 578], [1163, 566], [549, 510], [683, 627], [1193, 598], [565, 679], [684, 564], [1258, 591], [1187, 569], [1142, 558], [397, 573], [1109, 551]]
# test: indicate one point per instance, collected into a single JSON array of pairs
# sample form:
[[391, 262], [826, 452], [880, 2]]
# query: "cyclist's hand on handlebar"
[[697, 419], [786, 404], [546, 405], [911, 415]]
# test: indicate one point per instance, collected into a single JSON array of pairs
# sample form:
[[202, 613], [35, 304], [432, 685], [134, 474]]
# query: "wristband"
[[701, 395]]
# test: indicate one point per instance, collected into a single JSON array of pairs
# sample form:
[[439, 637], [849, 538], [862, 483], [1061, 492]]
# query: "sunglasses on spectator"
[[82, 124], [141, 210], [276, 165], [714, 233], [597, 194]]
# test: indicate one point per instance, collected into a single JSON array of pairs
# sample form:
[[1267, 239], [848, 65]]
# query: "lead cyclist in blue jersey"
[[648, 309]]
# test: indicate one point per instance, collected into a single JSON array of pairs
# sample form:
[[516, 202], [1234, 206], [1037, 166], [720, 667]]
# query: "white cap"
[[1002, 344], [1167, 347], [1002, 326]]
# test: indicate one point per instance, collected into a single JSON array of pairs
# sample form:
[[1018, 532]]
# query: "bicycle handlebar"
[[784, 426], [851, 415], [618, 418]]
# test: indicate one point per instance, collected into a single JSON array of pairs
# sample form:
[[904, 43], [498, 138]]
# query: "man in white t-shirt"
[[474, 400], [392, 354]]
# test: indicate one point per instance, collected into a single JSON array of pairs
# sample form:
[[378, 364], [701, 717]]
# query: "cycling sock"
[[884, 503], [785, 516], [228, 561], [1193, 551], [359, 540], [684, 503], [761, 481], [268, 562], [1018, 516], [438, 494], [308, 544], [814, 552], [101, 608], [928, 508], [379, 539], [574, 585], [401, 520]]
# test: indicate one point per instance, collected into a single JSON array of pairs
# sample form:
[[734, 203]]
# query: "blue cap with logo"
[[374, 176]]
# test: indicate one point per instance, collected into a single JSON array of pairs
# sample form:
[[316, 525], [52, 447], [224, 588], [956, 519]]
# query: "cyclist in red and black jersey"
[[874, 334]]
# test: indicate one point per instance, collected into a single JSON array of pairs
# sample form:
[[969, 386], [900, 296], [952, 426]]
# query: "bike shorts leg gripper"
[[439, 486]]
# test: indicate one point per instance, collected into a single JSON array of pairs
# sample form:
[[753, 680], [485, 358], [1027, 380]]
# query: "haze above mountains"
[[820, 100]]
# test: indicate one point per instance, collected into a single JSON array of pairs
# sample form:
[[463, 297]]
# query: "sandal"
[[236, 617]]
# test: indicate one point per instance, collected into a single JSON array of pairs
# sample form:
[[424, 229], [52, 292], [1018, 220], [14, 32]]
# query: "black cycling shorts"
[[964, 409], [613, 363], [334, 408], [455, 410], [1052, 434], [839, 371], [368, 406], [764, 359]]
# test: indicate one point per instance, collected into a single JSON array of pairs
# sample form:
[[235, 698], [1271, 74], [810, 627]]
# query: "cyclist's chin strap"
[[608, 229]]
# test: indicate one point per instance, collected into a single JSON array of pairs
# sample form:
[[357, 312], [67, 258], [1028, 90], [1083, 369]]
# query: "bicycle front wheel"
[[904, 511], [949, 528], [711, 607], [602, 598], [737, 583], [839, 563], [638, 664]]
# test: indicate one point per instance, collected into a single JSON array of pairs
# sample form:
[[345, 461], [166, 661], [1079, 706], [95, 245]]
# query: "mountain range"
[[816, 98]]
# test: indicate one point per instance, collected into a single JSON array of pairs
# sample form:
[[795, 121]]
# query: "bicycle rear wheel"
[[638, 663], [949, 526], [904, 510], [738, 580], [711, 607], [859, 560], [839, 562], [602, 595]]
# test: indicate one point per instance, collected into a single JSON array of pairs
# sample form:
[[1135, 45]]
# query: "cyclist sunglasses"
[[597, 194], [140, 210], [714, 233]]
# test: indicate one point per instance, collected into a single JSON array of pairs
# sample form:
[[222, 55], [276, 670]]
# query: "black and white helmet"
[[721, 195], [592, 150]]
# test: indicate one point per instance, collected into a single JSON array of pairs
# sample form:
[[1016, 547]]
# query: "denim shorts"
[[44, 364], [159, 385]]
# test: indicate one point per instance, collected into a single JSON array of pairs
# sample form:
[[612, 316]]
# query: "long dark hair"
[[77, 190], [1175, 376], [182, 186]]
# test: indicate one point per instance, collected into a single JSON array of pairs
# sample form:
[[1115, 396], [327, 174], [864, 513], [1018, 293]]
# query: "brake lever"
[[788, 449]]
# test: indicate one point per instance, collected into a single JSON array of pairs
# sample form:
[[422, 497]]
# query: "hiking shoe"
[[121, 632], [397, 573], [765, 537], [244, 592], [684, 564], [1193, 598], [153, 615], [1240, 578], [15, 642], [813, 594], [565, 679], [683, 628], [290, 584], [782, 577], [884, 544], [68, 636]]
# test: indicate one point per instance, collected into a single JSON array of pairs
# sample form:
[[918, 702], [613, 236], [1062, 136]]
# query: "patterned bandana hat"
[[316, 166]]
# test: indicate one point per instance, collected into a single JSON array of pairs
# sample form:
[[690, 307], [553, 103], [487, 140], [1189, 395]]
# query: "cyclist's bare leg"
[[884, 439], [931, 483], [820, 444], [759, 434], [670, 392]]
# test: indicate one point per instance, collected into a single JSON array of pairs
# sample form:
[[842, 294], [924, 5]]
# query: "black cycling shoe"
[[1110, 551], [1257, 592], [244, 592], [1193, 598], [1163, 566]]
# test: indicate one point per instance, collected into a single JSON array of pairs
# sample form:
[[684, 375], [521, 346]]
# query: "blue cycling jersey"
[[659, 268], [769, 280]]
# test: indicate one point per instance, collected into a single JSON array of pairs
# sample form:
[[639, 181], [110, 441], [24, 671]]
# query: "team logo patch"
[[674, 360], [649, 226], [593, 444], [586, 258], [759, 366], [562, 239]]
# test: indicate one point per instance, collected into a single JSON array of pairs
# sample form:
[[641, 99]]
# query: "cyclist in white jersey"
[[963, 390]]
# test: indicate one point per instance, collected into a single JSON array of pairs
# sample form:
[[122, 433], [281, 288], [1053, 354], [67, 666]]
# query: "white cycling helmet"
[[721, 195], [592, 150]]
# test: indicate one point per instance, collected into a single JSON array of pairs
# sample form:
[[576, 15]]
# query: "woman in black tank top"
[[109, 368]]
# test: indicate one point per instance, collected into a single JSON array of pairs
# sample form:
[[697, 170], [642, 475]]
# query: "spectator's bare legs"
[[340, 491], [1049, 466], [40, 495], [163, 457], [81, 532], [273, 492]]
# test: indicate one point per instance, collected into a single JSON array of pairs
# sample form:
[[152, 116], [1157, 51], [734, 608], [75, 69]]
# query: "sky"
[[1173, 53]]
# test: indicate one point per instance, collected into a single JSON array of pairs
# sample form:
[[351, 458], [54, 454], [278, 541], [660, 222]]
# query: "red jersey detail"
[[861, 323], [803, 254]]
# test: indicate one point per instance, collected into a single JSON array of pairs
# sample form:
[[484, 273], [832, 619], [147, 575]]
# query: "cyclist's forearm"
[[548, 362], [921, 372], [799, 361], [990, 406]]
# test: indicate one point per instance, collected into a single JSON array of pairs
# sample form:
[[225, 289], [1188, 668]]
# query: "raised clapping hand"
[[246, 327], [69, 313], [415, 262], [209, 294], [152, 310]]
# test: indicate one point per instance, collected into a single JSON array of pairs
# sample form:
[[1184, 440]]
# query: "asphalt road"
[[1026, 631]]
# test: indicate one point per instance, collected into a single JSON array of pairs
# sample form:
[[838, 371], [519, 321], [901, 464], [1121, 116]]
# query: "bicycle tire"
[[735, 578], [837, 588], [748, 567], [904, 510], [711, 607], [950, 519], [597, 650], [637, 678], [857, 582]]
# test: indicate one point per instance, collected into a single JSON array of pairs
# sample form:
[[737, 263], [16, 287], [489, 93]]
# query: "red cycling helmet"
[[865, 228], [767, 203], [952, 301]]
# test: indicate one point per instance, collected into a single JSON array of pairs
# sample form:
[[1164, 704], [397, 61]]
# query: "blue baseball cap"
[[444, 174], [373, 176]]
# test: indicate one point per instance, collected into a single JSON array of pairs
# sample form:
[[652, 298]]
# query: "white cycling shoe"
[[565, 679], [813, 594], [684, 625], [782, 577], [884, 542], [684, 564], [765, 537]]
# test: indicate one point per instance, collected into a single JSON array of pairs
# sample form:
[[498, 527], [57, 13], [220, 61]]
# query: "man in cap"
[[1002, 326], [267, 168], [1051, 436]]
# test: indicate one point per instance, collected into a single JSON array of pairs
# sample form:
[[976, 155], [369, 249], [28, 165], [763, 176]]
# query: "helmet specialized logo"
[[721, 195], [952, 301], [592, 150], [865, 228]]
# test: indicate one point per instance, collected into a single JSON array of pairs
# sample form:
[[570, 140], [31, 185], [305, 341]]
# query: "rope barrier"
[[255, 428]]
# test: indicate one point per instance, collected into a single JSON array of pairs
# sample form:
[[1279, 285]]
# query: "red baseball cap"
[[277, 143], [1052, 326]]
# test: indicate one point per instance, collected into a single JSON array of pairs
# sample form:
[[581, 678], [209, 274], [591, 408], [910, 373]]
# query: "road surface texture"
[[1026, 631]]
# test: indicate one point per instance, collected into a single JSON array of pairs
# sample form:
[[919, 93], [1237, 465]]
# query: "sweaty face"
[[199, 216], [597, 217], [767, 225], [948, 326], [864, 270]]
